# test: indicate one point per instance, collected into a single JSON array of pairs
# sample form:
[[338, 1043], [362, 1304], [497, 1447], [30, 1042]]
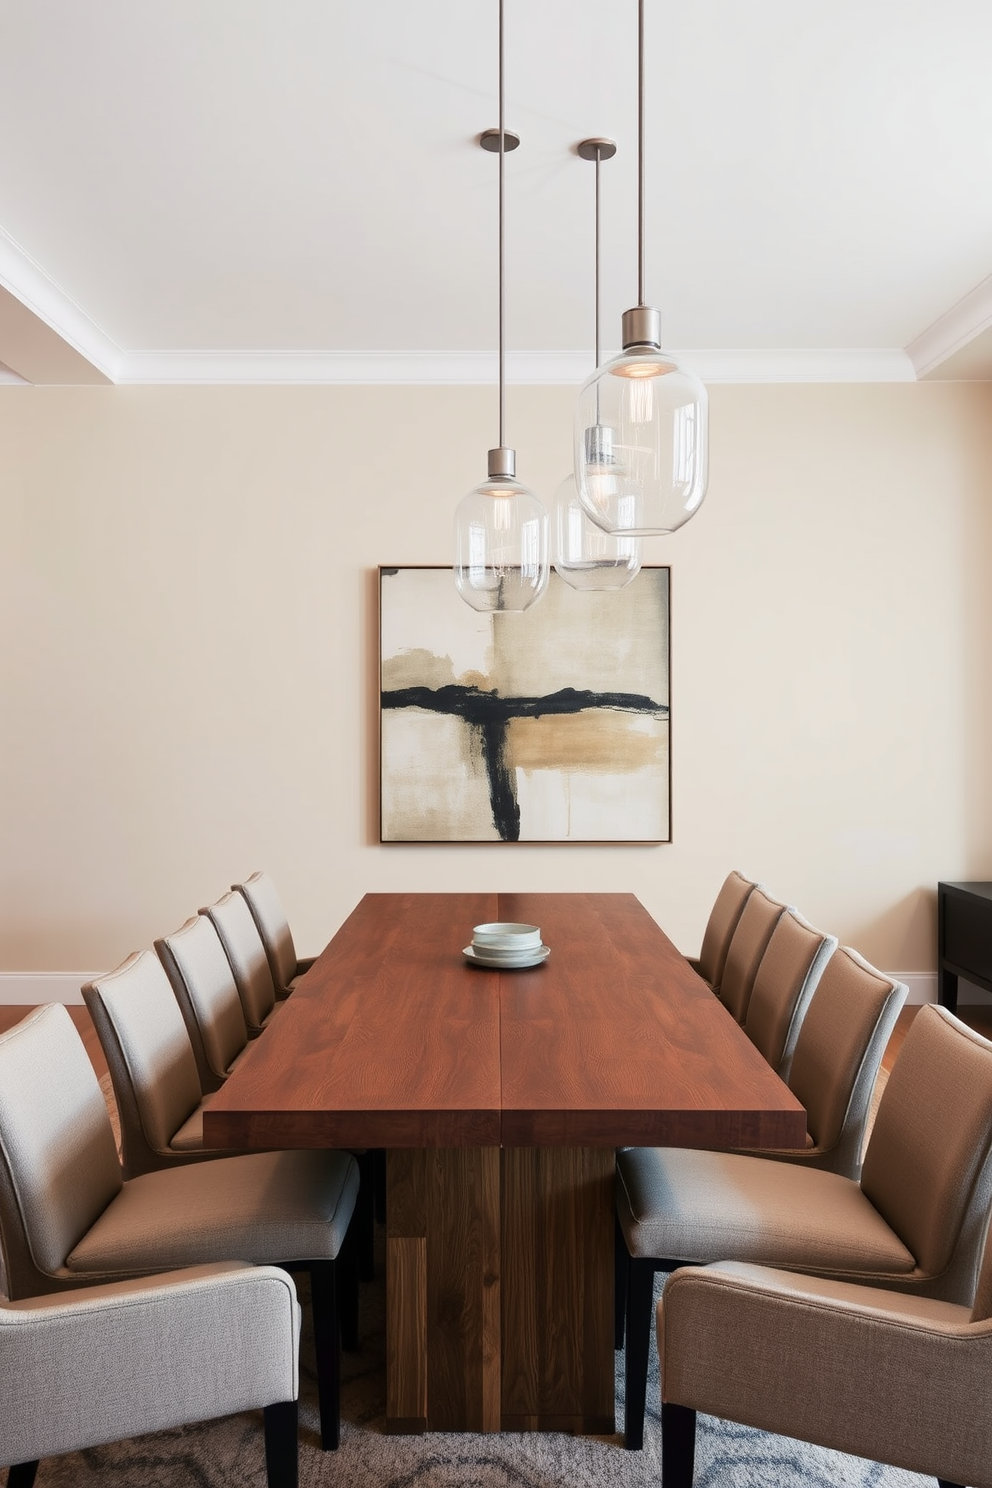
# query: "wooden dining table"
[[500, 1098]]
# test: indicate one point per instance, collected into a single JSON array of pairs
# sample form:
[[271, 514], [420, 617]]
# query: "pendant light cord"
[[502, 328], [640, 151], [598, 162]]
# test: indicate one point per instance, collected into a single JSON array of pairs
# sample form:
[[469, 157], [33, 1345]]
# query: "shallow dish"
[[507, 935], [502, 963]]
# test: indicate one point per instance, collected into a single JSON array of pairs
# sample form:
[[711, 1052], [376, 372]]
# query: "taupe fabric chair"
[[787, 977], [720, 928], [203, 983], [899, 1379], [68, 1220], [263, 900], [838, 1054], [839, 1050], [234, 923], [748, 944], [156, 1085], [152, 1066], [104, 1364], [915, 1222]]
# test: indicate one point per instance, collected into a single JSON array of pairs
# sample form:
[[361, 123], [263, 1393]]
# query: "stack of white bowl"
[[506, 944]]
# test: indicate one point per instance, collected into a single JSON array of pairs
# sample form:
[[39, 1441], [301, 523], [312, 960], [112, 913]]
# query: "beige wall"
[[188, 668]]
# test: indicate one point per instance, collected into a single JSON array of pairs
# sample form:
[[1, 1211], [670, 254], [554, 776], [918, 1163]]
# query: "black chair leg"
[[379, 1155], [640, 1289], [946, 1483], [282, 1457], [364, 1216], [621, 1268], [348, 1268], [22, 1475], [327, 1346], [678, 1445]]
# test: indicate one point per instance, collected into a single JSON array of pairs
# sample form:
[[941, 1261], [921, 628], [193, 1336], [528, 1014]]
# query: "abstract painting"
[[550, 725]]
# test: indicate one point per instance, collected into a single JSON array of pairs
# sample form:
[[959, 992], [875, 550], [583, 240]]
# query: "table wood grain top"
[[392, 1039]]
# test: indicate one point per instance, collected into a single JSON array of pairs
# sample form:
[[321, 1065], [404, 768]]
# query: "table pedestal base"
[[499, 1290]]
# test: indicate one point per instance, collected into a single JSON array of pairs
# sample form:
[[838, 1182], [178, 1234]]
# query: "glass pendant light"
[[586, 557], [641, 428], [501, 528]]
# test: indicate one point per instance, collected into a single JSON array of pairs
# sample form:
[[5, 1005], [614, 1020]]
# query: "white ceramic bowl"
[[506, 936]]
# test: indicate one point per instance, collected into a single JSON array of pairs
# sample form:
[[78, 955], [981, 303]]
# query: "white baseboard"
[[29, 988]]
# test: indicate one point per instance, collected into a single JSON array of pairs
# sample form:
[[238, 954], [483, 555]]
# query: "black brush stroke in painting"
[[491, 714]]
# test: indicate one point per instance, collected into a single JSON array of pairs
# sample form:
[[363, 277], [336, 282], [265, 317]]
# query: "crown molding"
[[954, 329], [6, 375], [536, 368], [28, 282]]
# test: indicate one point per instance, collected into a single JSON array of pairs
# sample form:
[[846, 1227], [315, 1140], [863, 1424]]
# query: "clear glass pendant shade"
[[586, 557], [641, 444], [501, 546]]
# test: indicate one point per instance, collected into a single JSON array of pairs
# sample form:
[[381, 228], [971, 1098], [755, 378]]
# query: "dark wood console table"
[[964, 938]]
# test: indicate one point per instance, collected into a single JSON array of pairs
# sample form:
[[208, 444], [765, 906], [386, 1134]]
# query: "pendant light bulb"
[[586, 556], [641, 422], [501, 541], [501, 528]]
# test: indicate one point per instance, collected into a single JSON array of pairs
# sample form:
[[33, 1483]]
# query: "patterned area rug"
[[228, 1453]]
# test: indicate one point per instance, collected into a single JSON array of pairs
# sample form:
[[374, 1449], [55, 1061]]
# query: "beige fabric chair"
[[899, 1379], [838, 1053], [152, 1066], [233, 921], [68, 1220], [915, 1222], [786, 979], [748, 944], [130, 1357], [203, 983], [263, 900], [720, 928]]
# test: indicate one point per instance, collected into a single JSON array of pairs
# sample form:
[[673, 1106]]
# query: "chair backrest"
[[786, 979], [838, 1054], [203, 982], [754, 929], [234, 923], [266, 908], [59, 1167], [927, 1169], [150, 1057], [721, 925]]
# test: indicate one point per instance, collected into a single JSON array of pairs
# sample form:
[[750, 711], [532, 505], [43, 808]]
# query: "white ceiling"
[[267, 190]]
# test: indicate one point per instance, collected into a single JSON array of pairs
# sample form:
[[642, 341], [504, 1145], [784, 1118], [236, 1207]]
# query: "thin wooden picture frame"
[[549, 726]]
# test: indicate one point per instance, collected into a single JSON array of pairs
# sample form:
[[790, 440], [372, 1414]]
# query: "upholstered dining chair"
[[68, 1219], [747, 946], [156, 1085], [838, 1054], [720, 927], [235, 925], [839, 1048], [152, 1066], [902, 1380], [787, 976], [126, 1358], [203, 983], [915, 1222], [263, 900]]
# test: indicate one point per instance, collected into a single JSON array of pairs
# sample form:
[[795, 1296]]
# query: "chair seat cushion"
[[260, 1207], [711, 1206], [189, 1137]]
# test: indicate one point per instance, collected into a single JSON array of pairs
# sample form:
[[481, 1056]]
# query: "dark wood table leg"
[[499, 1301]]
